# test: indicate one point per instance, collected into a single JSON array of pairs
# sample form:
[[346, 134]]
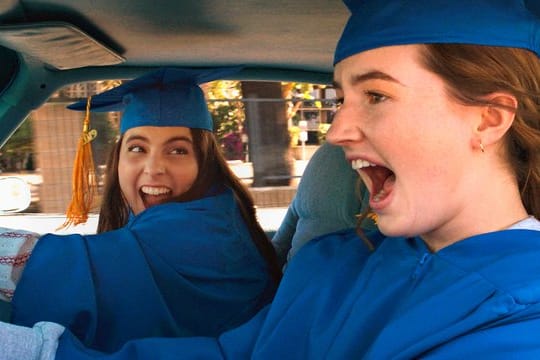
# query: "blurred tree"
[[299, 95], [17, 153], [227, 110]]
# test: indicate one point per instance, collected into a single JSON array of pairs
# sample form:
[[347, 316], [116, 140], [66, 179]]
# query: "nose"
[[344, 128], [154, 165]]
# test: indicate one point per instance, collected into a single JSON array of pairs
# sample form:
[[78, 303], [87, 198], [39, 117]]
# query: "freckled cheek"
[[422, 178]]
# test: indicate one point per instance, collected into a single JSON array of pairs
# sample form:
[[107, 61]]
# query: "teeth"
[[359, 164], [149, 190], [381, 194]]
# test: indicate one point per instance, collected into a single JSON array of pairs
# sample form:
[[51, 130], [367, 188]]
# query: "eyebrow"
[[179, 138], [370, 75], [170, 140]]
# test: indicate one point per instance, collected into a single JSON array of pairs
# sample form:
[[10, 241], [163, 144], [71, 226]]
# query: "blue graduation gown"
[[478, 298], [177, 269]]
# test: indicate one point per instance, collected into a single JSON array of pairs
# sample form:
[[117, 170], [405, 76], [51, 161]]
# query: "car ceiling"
[[275, 40]]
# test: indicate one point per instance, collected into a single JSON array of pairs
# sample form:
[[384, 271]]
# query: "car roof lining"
[[197, 32], [277, 41]]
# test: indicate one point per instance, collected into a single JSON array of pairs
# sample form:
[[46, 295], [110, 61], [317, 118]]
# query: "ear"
[[495, 120]]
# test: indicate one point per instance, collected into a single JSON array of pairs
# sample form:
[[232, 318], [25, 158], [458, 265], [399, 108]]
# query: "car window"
[[267, 131]]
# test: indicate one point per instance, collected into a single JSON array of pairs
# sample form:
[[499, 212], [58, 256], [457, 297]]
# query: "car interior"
[[46, 45]]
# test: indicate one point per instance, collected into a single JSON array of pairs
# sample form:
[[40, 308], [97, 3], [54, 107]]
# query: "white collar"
[[530, 223]]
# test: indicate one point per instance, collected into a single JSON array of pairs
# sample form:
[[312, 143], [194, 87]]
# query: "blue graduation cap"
[[166, 97], [377, 23]]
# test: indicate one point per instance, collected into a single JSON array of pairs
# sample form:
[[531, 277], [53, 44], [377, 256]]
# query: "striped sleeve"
[[15, 249]]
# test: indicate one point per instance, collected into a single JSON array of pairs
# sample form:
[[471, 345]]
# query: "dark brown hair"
[[471, 72], [213, 171]]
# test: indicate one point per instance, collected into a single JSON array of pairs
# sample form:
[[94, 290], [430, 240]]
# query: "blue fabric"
[[478, 298], [376, 23], [177, 269], [166, 97], [5, 310]]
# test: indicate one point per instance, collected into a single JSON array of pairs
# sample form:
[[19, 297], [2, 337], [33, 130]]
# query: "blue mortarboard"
[[378, 23], [166, 97]]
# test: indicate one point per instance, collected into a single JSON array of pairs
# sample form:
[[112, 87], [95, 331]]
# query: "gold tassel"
[[84, 184], [371, 215]]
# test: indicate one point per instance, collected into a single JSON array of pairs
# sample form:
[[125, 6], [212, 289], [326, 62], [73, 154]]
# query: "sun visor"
[[58, 44]]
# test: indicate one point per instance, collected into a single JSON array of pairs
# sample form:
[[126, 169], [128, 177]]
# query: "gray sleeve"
[[282, 239], [39, 342]]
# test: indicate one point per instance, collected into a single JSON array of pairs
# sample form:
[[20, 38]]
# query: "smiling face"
[[156, 164], [410, 142]]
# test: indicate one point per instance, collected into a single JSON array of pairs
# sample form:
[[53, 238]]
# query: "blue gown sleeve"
[[238, 343], [63, 285]]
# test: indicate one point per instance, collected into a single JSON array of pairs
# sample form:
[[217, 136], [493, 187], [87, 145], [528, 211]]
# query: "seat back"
[[328, 198]]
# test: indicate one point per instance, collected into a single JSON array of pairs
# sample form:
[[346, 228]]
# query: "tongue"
[[152, 200], [386, 184], [389, 183]]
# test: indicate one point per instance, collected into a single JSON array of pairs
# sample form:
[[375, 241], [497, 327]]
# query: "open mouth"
[[154, 195], [378, 179]]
